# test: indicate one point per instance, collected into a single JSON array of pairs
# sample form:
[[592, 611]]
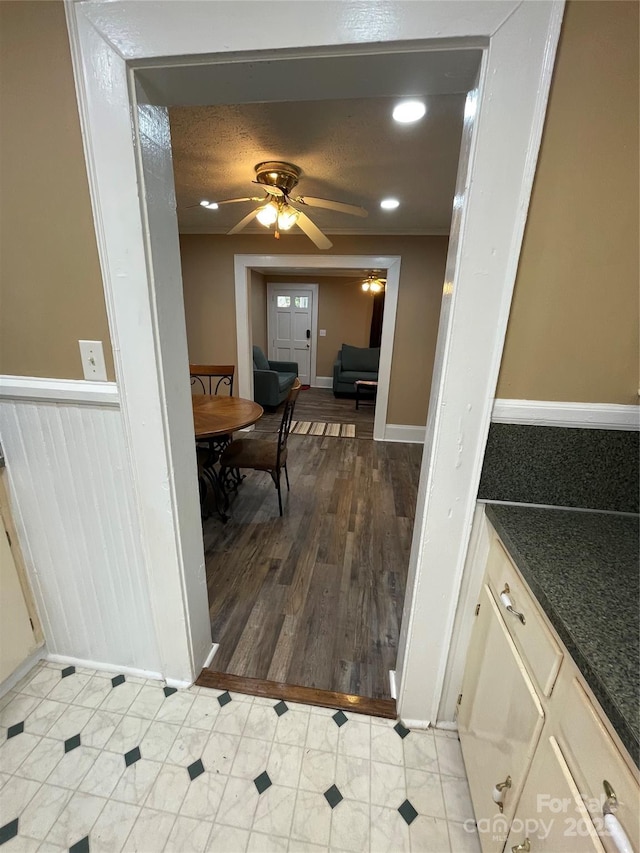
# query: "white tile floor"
[[94, 761]]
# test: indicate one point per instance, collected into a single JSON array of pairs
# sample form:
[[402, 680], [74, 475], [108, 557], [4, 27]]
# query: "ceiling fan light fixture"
[[365, 286], [267, 215], [212, 205], [409, 111], [204, 203], [375, 287], [389, 203], [287, 217]]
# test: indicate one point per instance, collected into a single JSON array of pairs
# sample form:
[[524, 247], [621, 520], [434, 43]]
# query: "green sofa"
[[354, 363], [272, 380]]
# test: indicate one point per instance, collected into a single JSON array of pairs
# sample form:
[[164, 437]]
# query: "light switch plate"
[[323, 333], [93, 364]]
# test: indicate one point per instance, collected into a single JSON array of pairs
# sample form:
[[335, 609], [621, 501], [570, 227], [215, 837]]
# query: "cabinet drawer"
[[541, 654], [551, 815], [593, 757]]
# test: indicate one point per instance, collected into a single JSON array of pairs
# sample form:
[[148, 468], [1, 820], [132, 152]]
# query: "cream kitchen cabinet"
[[551, 816], [527, 717], [499, 722], [20, 633]]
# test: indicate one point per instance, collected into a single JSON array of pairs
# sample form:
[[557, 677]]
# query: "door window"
[[285, 302]]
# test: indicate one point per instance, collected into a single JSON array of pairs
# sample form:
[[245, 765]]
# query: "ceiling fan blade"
[[234, 200], [269, 189], [351, 209], [312, 231], [244, 221]]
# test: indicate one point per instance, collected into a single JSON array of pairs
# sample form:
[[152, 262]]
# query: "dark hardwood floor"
[[315, 598], [319, 404]]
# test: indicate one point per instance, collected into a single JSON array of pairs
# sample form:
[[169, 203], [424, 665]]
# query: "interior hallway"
[[315, 598]]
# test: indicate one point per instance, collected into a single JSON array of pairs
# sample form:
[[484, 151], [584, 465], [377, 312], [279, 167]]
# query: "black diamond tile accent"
[[169, 691], [12, 731], [401, 730], [408, 812], [8, 831], [81, 846], [224, 699], [116, 680], [340, 718], [333, 796], [72, 743], [68, 670], [281, 708], [262, 782], [196, 769], [132, 756]]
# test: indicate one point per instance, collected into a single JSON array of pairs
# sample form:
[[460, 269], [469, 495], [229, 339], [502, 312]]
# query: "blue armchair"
[[272, 380]]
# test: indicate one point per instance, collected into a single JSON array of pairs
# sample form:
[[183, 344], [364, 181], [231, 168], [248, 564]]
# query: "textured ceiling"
[[348, 150]]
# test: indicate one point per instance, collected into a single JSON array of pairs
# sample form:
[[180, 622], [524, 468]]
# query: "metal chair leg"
[[277, 478], [286, 474]]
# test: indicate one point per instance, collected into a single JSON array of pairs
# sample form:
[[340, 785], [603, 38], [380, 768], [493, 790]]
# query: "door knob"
[[525, 847]]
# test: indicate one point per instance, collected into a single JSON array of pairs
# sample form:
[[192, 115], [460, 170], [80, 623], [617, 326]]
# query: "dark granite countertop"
[[583, 568]]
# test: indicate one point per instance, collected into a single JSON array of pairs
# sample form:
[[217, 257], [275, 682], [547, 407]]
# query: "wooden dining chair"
[[262, 454], [204, 376]]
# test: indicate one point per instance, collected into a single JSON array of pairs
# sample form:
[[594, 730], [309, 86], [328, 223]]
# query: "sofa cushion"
[[260, 361], [352, 375], [286, 380], [360, 358]]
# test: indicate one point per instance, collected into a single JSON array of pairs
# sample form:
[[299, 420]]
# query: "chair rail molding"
[[551, 413], [77, 391], [125, 57]]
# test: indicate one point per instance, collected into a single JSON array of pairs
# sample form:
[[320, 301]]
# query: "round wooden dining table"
[[214, 417]]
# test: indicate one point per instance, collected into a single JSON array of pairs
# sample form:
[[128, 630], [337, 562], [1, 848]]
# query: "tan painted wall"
[[207, 268], [259, 311], [344, 312], [50, 284], [573, 329]]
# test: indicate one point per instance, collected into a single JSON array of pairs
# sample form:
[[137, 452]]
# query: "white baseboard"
[[419, 725], [59, 390], [405, 433], [446, 726], [585, 415], [392, 684], [323, 382], [109, 667], [210, 656], [26, 665]]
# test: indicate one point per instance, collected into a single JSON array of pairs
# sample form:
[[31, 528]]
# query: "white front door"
[[291, 329]]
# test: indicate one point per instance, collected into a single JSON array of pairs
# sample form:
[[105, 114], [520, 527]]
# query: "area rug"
[[319, 428]]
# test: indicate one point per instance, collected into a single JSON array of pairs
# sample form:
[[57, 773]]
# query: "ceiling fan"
[[372, 282], [276, 207]]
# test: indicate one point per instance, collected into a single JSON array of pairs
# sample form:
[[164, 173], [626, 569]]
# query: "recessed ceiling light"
[[389, 203], [204, 203], [408, 111], [211, 205]]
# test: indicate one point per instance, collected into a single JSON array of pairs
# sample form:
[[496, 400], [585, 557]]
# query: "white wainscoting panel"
[[76, 516]]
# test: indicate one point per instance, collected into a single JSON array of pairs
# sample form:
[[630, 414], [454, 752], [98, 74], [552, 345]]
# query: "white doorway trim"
[[131, 186], [271, 287], [243, 264]]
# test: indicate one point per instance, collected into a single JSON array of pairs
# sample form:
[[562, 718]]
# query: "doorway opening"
[[313, 596], [138, 248]]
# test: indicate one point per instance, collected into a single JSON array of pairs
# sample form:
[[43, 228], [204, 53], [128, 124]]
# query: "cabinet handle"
[[525, 847], [500, 791], [611, 822], [504, 598]]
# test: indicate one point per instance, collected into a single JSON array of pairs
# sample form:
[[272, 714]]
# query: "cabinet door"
[[551, 816], [499, 722], [17, 640]]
